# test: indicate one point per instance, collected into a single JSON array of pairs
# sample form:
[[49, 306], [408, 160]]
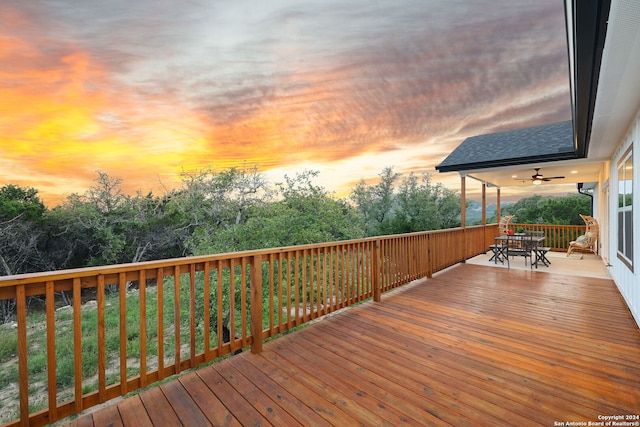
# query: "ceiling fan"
[[537, 178]]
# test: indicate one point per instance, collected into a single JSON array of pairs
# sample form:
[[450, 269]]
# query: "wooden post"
[[142, 302], [207, 311], [192, 316], [256, 304], [122, 296], [176, 316], [428, 238], [498, 212], [375, 271], [463, 214], [484, 203], [23, 368], [102, 351], [51, 350], [463, 202], [77, 344]]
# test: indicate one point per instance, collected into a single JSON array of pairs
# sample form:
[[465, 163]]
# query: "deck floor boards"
[[472, 346], [158, 408]]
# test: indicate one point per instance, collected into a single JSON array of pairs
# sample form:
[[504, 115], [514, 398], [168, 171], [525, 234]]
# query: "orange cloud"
[[61, 119], [304, 116]]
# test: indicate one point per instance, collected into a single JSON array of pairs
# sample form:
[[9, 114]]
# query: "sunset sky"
[[145, 89]]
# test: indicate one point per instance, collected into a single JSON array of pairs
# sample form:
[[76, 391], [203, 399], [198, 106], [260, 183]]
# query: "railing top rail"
[[39, 277], [522, 224]]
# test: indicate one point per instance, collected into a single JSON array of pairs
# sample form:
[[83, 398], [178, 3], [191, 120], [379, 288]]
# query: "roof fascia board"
[[590, 27], [507, 162]]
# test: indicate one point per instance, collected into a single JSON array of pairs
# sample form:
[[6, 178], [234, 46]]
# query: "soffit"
[[574, 171], [617, 100]]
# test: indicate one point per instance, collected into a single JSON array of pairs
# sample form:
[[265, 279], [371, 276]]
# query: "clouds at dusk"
[[143, 90]]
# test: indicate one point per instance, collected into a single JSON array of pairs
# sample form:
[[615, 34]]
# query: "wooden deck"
[[474, 345]]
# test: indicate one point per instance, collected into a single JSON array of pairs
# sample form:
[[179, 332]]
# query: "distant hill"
[[474, 212]]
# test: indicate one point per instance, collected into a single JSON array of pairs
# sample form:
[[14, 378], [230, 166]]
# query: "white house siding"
[[628, 281]]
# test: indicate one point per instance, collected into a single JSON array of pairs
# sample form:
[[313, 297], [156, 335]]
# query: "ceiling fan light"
[[537, 181]]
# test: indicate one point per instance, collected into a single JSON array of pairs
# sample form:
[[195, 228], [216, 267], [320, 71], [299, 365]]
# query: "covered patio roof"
[[507, 159], [522, 146]]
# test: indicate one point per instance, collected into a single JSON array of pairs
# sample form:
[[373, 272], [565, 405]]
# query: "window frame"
[[624, 209]]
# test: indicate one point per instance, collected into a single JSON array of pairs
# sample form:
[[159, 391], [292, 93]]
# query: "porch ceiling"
[[574, 171]]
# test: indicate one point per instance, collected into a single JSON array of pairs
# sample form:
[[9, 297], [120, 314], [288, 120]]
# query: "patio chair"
[[541, 251], [519, 245], [587, 241], [498, 249], [503, 225]]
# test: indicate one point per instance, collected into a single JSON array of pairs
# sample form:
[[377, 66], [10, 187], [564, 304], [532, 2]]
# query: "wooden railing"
[[557, 237], [89, 335]]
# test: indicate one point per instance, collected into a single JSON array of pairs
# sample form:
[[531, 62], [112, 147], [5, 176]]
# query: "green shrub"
[[8, 375], [8, 344], [37, 362], [65, 372]]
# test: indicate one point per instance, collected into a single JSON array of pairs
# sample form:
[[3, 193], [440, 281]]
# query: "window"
[[625, 209]]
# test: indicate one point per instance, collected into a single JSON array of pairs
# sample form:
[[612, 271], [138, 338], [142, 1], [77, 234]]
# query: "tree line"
[[217, 211], [538, 209], [212, 211]]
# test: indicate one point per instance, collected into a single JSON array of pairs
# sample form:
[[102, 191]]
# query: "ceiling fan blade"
[[539, 177]]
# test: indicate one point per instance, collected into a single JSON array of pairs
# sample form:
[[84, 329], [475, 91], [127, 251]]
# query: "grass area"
[[8, 344]]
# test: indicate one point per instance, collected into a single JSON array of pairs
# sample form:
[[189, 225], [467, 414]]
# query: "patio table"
[[540, 254]]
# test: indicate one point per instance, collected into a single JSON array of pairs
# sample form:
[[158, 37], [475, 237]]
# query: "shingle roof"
[[534, 144]]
